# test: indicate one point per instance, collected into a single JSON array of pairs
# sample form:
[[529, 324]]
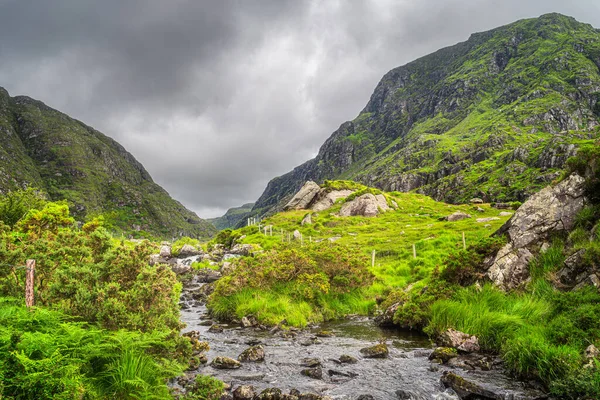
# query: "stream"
[[406, 374]]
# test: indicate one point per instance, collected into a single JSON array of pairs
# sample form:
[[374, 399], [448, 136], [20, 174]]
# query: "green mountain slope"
[[41, 147], [495, 117], [233, 217]]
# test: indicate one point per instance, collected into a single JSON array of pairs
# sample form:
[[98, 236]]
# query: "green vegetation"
[[494, 117], [68, 160], [300, 286], [233, 217], [295, 281], [105, 324]]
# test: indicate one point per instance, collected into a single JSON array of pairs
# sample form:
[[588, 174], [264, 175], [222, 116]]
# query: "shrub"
[[464, 267]]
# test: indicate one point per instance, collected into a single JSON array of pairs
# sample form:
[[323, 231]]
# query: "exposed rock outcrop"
[[327, 200], [550, 211], [304, 197], [367, 205]]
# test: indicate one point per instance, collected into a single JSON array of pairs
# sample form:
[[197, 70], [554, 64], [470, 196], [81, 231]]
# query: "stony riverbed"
[[406, 373]]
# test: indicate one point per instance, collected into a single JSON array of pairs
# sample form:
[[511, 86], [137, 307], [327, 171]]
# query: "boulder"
[[165, 251], [304, 197], [443, 354], [461, 341], [296, 235], [244, 392], [181, 269], [476, 200], [242, 249], [225, 363], [457, 216], [216, 329], [550, 211], [314, 373], [188, 251], [207, 275], [592, 352], [327, 200], [382, 202], [378, 351], [466, 389], [307, 220], [502, 206], [253, 354], [505, 214], [270, 394], [346, 359], [310, 362], [249, 321], [366, 205]]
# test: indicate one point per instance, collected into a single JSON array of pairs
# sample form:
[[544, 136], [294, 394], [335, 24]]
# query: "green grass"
[[280, 303], [417, 221], [391, 235]]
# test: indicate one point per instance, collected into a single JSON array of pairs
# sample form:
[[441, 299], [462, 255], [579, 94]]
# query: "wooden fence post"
[[373, 259], [464, 242], [29, 296], [414, 251]]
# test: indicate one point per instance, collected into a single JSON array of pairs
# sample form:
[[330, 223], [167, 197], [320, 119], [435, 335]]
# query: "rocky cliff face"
[[41, 147], [550, 212], [494, 117]]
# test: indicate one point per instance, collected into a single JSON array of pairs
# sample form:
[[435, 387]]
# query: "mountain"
[[494, 117], [233, 217], [44, 148]]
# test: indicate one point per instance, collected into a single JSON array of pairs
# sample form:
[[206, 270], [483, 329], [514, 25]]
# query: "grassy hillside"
[[46, 149], [391, 235], [233, 217], [494, 117]]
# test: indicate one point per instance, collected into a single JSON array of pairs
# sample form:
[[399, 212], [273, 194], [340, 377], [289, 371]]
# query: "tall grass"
[[281, 303], [540, 334]]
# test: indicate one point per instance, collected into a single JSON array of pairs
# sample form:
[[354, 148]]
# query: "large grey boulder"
[[188, 251], [304, 197], [327, 200], [457, 216], [551, 210], [367, 205]]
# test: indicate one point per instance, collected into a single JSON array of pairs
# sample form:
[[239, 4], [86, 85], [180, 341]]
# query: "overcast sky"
[[216, 98]]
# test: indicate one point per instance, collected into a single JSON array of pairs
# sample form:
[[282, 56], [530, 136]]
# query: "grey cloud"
[[217, 97]]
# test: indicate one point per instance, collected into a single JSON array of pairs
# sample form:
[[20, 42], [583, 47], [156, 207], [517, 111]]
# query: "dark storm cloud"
[[217, 97]]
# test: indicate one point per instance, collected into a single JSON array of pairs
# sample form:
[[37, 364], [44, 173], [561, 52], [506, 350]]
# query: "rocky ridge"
[[46, 149], [494, 117]]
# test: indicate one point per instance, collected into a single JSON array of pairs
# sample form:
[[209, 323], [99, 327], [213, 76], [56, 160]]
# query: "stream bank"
[[308, 361]]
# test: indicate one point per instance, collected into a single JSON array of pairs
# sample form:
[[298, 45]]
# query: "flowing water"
[[405, 374]]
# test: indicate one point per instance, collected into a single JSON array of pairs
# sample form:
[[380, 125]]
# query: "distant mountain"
[[233, 217], [44, 148], [494, 117]]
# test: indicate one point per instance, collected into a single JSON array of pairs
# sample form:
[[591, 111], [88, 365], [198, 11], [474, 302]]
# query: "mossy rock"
[[253, 354], [443, 354], [225, 363], [378, 351]]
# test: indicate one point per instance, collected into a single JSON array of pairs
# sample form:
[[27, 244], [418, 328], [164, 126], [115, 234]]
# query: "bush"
[[465, 267], [313, 280], [226, 237]]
